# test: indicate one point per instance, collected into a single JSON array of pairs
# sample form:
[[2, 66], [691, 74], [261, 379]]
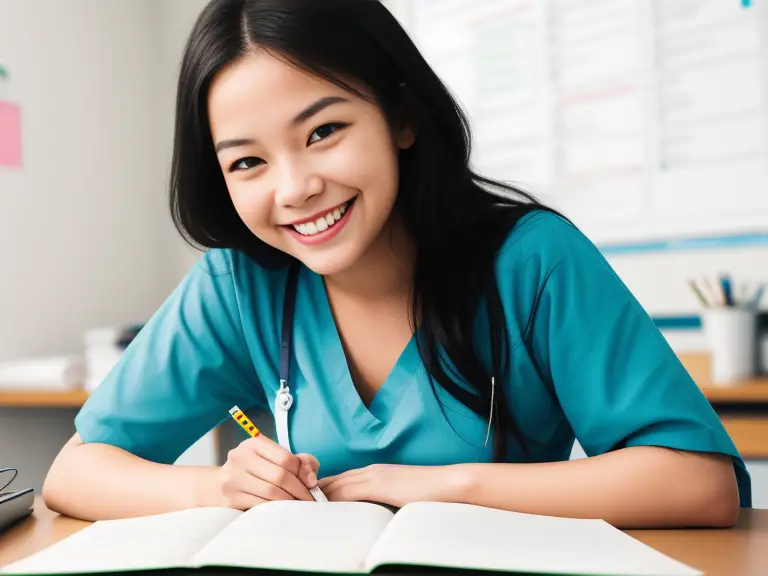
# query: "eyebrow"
[[300, 118], [235, 143], [316, 108]]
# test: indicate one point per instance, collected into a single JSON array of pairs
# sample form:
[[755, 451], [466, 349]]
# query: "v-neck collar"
[[322, 329]]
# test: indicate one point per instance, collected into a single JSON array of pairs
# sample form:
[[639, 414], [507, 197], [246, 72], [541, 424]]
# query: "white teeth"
[[321, 224]]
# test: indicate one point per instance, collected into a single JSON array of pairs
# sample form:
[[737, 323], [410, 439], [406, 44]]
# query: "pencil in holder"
[[732, 336]]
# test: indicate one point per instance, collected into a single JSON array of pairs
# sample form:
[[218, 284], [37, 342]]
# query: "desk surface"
[[741, 550]]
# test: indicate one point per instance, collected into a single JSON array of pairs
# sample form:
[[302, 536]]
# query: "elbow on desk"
[[718, 502], [55, 489], [721, 515], [60, 483]]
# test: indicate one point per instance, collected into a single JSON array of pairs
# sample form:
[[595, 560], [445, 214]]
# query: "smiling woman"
[[434, 334], [319, 149]]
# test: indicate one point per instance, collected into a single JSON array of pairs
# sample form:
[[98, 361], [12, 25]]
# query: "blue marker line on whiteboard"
[[746, 3]]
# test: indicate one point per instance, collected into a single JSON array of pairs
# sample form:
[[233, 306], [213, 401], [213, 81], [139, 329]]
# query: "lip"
[[318, 215], [325, 235]]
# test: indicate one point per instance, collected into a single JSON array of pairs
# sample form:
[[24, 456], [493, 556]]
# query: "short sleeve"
[[618, 381], [182, 373]]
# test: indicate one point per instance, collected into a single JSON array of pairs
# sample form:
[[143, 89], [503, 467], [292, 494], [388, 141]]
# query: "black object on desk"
[[14, 505]]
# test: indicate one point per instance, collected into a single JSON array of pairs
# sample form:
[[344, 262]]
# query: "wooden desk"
[[738, 551]]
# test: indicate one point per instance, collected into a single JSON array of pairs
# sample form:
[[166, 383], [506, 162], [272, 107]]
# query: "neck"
[[384, 272]]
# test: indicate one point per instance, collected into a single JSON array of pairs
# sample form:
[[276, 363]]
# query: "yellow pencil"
[[240, 417]]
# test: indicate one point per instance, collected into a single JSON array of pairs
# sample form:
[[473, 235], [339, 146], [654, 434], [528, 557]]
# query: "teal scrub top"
[[586, 363]]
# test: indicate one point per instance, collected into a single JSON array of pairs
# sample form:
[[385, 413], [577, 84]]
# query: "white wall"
[[84, 227]]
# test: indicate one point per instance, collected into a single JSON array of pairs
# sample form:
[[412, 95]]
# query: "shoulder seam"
[[205, 265], [531, 225], [215, 274]]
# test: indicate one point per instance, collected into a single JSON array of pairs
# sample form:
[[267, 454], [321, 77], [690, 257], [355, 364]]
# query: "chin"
[[331, 263]]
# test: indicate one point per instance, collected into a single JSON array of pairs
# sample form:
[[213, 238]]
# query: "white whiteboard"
[[640, 119]]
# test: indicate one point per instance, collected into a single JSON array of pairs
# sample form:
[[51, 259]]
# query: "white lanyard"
[[284, 399]]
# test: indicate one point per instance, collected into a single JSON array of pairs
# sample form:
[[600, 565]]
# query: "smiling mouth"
[[323, 223]]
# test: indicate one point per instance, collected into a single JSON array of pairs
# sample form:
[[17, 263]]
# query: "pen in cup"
[[725, 283], [698, 293], [724, 293]]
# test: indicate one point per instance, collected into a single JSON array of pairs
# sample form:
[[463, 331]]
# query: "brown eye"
[[325, 131], [246, 164]]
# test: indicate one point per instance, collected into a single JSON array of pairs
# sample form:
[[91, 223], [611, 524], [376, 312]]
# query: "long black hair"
[[456, 218]]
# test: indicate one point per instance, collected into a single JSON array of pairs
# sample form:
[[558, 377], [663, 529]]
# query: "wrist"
[[202, 492], [461, 482]]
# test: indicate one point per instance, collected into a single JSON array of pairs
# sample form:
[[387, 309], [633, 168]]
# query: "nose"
[[296, 184]]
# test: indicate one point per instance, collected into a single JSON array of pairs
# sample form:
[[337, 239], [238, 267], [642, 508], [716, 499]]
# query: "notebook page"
[[473, 537], [298, 535], [149, 542]]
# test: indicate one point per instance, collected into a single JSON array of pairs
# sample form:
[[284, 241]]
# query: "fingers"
[[292, 473], [277, 466], [308, 470], [350, 489], [251, 490], [343, 477], [275, 453]]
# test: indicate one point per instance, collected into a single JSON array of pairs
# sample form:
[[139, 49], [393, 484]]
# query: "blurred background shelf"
[[751, 391], [742, 406], [42, 398]]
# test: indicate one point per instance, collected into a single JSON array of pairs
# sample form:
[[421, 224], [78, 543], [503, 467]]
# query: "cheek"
[[368, 164], [251, 205]]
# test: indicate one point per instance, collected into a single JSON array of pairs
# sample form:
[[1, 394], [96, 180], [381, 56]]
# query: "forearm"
[[98, 482], [634, 487]]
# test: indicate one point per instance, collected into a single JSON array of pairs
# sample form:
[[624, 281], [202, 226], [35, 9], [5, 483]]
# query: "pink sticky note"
[[10, 134]]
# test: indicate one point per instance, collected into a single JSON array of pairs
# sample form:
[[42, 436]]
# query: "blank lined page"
[[465, 536], [150, 542], [297, 535]]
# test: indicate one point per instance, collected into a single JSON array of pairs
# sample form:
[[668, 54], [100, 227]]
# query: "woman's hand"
[[260, 470], [396, 485]]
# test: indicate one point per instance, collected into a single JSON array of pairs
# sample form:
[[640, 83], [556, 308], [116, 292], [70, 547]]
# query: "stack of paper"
[[54, 373]]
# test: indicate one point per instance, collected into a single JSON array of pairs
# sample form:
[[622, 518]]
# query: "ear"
[[405, 137]]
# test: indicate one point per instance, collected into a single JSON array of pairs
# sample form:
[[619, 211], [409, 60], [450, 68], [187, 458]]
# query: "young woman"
[[418, 332]]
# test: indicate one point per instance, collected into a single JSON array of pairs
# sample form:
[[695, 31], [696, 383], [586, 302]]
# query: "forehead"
[[260, 84]]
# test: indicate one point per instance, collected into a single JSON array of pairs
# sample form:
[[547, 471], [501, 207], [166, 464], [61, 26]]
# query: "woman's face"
[[311, 168]]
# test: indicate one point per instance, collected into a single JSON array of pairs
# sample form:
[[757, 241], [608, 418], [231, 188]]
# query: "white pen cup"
[[732, 336]]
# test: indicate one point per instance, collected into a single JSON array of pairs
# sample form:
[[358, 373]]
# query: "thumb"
[[308, 469]]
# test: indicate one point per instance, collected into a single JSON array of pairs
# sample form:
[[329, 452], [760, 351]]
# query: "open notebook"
[[353, 538]]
